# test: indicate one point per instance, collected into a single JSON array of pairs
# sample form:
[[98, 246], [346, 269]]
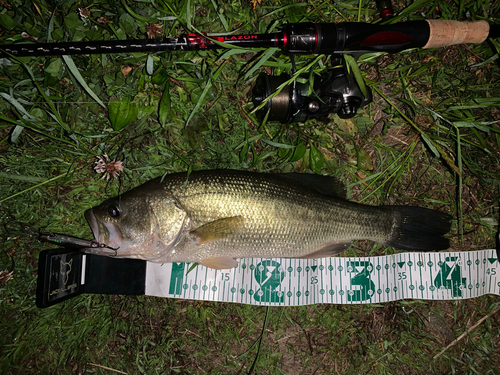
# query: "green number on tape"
[[269, 276], [450, 276], [364, 285], [176, 278]]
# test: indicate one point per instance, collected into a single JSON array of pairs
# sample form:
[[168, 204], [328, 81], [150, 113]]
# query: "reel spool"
[[281, 107]]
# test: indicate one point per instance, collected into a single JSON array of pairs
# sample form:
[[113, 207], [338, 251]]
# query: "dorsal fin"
[[325, 185]]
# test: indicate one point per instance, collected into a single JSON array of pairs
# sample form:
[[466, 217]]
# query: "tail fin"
[[419, 229]]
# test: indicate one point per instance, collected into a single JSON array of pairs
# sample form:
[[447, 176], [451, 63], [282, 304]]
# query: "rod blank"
[[299, 38]]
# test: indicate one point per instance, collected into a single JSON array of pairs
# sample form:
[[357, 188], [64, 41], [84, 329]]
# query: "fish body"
[[215, 217]]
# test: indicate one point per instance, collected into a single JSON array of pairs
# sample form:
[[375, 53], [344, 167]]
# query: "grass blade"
[[261, 337], [74, 70], [266, 56]]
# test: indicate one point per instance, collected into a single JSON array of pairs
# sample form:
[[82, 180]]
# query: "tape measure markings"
[[333, 280]]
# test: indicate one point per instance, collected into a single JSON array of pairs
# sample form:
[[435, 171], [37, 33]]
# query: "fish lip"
[[92, 221], [105, 246]]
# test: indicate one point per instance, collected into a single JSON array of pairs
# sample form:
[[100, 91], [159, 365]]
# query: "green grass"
[[430, 138]]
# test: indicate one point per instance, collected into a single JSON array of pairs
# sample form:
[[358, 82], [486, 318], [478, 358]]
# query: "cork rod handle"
[[447, 33]]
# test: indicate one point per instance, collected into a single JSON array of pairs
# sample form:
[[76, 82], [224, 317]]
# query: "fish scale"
[[268, 208], [215, 217]]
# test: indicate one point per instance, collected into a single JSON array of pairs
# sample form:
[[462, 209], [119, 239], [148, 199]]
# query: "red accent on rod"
[[388, 12], [284, 40], [315, 38], [386, 38], [197, 40]]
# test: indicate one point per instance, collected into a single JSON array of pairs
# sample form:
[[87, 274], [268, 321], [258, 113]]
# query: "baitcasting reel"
[[336, 91]]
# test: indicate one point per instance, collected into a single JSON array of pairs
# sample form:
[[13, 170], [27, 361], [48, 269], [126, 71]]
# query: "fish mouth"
[[101, 235], [92, 221]]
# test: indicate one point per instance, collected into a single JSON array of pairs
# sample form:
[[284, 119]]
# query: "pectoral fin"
[[217, 229], [220, 263], [328, 250]]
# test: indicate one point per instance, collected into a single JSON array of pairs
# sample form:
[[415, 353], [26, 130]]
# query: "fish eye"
[[114, 211]]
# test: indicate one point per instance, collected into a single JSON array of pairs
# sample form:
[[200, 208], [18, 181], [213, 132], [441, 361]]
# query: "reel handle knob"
[[348, 110]]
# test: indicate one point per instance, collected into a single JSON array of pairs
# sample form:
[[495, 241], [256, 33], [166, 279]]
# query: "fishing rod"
[[335, 92], [297, 38]]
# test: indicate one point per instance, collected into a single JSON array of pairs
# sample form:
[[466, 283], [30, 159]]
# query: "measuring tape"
[[295, 282]]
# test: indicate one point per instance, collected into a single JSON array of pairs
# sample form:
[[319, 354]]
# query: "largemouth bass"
[[215, 217]]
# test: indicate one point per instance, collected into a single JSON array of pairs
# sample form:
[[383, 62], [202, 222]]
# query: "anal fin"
[[328, 250], [219, 263]]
